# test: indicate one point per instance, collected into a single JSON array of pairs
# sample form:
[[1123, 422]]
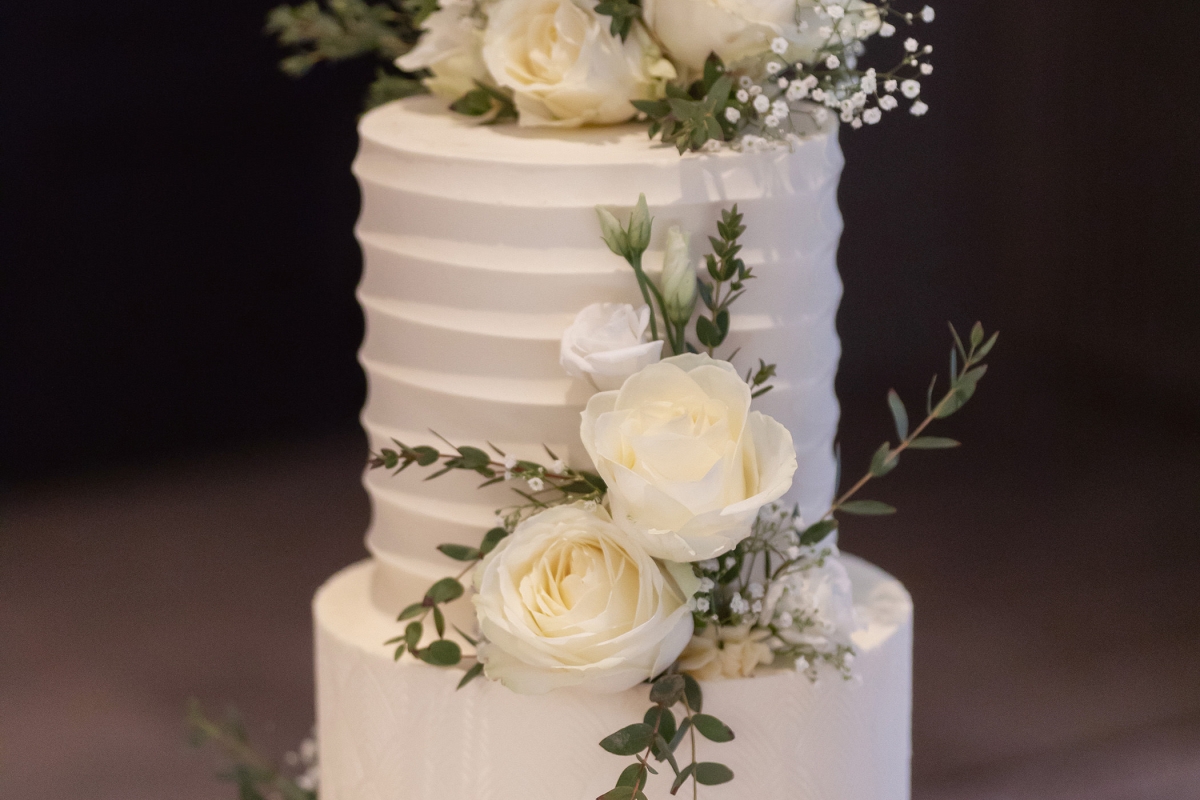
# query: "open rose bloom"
[[571, 600], [688, 464]]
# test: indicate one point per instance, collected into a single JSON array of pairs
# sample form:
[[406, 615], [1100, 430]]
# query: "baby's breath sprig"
[[659, 735]]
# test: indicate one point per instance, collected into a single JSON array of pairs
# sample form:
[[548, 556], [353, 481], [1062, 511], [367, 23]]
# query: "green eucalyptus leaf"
[[712, 728], [459, 552], [710, 773], [684, 726], [899, 414], [866, 507], [412, 635], [692, 693], [445, 590], [491, 539], [883, 461], [578, 487], [667, 690], [399, 652], [816, 533], [474, 103], [630, 740], [682, 777], [473, 673], [634, 774], [439, 622], [426, 455], [707, 332], [976, 336], [723, 323], [987, 346], [410, 612], [933, 443], [619, 793], [664, 719], [442, 653]]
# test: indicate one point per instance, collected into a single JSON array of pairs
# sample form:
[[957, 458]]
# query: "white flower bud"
[[639, 226], [678, 278], [910, 88], [611, 232], [887, 29], [927, 14]]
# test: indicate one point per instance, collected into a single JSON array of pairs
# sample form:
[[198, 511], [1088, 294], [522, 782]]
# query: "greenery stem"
[[635, 261], [900, 448]]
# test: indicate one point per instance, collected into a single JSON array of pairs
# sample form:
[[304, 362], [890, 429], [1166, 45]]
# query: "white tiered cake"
[[480, 245]]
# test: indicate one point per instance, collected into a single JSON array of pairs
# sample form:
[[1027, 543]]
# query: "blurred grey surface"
[[1057, 639]]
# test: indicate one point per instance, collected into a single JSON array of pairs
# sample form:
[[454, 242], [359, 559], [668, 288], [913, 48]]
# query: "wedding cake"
[[480, 246], [603, 549]]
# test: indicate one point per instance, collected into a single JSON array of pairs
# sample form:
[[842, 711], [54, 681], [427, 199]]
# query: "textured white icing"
[[400, 730], [481, 243]]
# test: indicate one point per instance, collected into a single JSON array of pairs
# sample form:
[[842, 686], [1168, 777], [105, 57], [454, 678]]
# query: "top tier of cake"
[[480, 245]]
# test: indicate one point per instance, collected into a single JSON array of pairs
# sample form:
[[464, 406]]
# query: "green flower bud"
[[639, 226], [610, 230], [678, 278]]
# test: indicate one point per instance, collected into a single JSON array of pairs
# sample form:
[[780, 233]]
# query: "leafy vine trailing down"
[[742, 103]]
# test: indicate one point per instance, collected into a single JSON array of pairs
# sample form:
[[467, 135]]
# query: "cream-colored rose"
[[563, 65], [569, 599], [607, 343], [738, 29], [726, 652], [451, 48], [688, 464]]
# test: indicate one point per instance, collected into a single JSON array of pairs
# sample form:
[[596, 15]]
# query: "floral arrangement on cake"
[[673, 562], [700, 73]]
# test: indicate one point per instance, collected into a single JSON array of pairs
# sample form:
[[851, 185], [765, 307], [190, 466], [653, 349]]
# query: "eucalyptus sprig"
[[570, 484], [963, 380], [257, 778], [340, 30], [689, 117], [659, 735], [724, 267]]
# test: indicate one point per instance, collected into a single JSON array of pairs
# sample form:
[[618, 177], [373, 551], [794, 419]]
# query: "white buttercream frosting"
[[400, 729]]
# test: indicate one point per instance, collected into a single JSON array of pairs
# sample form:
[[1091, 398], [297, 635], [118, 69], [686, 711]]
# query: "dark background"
[[178, 312]]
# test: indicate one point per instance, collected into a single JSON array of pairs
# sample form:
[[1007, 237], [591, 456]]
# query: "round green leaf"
[[712, 728], [710, 773], [442, 653], [445, 590], [630, 740]]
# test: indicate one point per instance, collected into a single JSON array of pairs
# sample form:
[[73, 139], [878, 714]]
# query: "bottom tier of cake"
[[391, 730]]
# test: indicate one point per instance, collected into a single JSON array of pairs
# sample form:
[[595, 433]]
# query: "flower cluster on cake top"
[[700, 73]]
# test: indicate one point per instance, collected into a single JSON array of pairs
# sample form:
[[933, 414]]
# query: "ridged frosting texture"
[[480, 245], [392, 730]]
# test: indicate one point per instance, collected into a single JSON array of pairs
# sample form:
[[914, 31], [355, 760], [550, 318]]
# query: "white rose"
[[563, 65], [451, 48], [607, 343], [738, 29], [569, 599], [688, 464]]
